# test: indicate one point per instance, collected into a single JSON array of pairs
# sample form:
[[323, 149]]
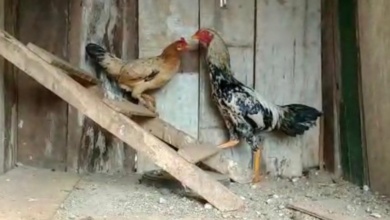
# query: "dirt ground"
[[40, 194]]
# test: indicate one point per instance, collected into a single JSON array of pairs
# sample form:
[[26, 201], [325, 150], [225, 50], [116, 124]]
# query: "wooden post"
[[127, 130], [2, 100]]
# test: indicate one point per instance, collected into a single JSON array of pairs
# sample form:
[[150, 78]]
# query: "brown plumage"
[[142, 74]]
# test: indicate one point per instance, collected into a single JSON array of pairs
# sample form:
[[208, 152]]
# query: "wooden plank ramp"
[[56, 80], [189, 148]]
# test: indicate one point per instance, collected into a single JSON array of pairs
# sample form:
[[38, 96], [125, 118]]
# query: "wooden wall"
[[374, 37], [274, 46], [288, 70], [2, 107], [50, 133], [8, 96]]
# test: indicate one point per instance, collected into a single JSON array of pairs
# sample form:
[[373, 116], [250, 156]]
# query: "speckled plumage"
[[245, 112]]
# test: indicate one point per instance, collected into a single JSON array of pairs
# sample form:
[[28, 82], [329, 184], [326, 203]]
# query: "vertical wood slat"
[[10, 91], [112, 24], [350, 115], [162, 22], [236, 25], [42, 116], [330, 86], [374, 43], [2, 100], [288, 70]]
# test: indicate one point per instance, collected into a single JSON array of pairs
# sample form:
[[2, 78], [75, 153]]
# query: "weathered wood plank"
[[177, 103], [319, 212], [374, 42], [330, 86], [77, 74], [62, 85], [239, 35], [46, 146], [10, 92], [113, 25], [288, 60], [2, 100]]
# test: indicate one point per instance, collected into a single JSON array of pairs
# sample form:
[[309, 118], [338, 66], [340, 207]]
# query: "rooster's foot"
[[229, 144], [150, 99]]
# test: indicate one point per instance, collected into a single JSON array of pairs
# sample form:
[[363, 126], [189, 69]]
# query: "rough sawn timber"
[[112, 24], [125, 129], [288, 70], [189, 147], [161, 23]]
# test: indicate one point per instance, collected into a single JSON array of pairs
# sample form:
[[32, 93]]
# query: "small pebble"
[[208, 206], [268, 201], [242, 197], [294, 180], [281, 207], [162, 201], [376, 215], [225, 216], [164, 191], [350, 208], [368, 210], [366, 188], [275, 196]]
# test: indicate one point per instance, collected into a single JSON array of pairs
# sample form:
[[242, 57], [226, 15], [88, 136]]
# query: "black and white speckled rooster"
[[246, 113]]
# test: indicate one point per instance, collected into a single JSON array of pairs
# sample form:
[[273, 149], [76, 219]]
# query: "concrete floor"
[[29, 193]]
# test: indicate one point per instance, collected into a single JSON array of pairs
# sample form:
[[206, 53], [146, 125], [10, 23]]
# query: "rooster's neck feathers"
[[217, 52]]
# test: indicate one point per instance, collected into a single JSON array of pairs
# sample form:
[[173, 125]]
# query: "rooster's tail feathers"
[[297, 119], [96, 52], [103, 58]]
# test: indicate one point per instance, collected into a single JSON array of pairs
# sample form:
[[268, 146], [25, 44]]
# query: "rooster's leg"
[[229, 144], [256, 166], [150, 99], [137, 93]]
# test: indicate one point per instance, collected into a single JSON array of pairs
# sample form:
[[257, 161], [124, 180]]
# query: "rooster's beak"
[[195, 37]]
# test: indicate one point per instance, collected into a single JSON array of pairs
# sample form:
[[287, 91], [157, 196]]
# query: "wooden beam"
[[83, 77], [122, 106], [318, 212], [189, 148], [127, 130], [2, 100], [196, 152], [181, 140]]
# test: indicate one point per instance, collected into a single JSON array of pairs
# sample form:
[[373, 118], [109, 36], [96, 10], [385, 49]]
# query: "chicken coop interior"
[[75, 144]]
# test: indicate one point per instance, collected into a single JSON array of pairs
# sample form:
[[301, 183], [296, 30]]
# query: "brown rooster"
[[142, 74]]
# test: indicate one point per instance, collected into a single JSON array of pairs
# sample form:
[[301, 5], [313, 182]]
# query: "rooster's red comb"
[[182, 40]]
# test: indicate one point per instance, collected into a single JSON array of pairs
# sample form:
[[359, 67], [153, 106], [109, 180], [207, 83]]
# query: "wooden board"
[[163, 22], [288, 70], [81, 76], [127, 130], [239, 34], [374, 43], [45, 145], [315, 209], [10, 92], [111, 24], [2, 97], [352, 143], [330, 87]]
